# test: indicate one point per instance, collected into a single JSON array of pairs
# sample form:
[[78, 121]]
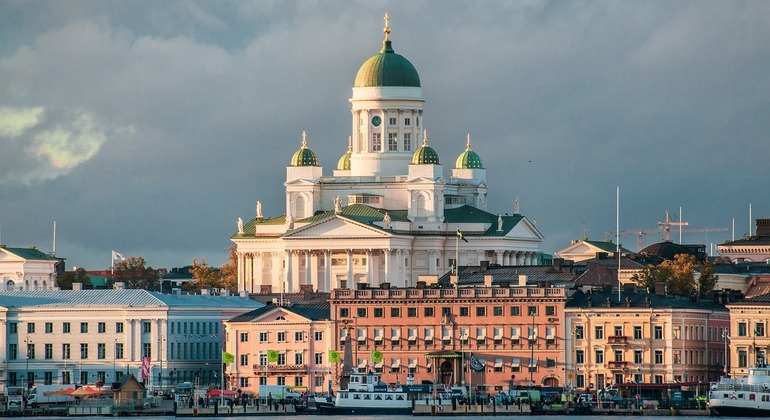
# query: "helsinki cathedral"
[[386, 214]]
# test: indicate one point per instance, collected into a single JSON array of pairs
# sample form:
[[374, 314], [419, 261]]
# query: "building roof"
[[304, 156], [468, 159], [472, 275], [638, 300], [425, 155], [387, 69], [749, 241], [668, 250], [136, 298], [31, 253], [312, 311]]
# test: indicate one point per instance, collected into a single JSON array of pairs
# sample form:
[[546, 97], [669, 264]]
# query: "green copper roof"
[[387, 69], [304, 156], [344, 163], [468, 159], [425, 155]]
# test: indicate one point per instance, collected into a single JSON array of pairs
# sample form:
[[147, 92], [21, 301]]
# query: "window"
[[31, 328], [580, 381], [619, 356], [481, 311], [638, 357], [580, 356], [319, 335], [411, 312], [742, 358], [759, 329], [101, 327], [244, 381], [84, 328], [445, 311], [344, 312], [742, 330], [118, 350], [392, 142], [658, 357], [146, 327], [550, 362], [282, 337], [13, 328], [550, 310], [319, 358], [299, 336], [428, 311], [377, 142], [13, 352], [379, 313], [579, 332], [532, 310], [101, 351], [598, 332], [244, 360], [48, 327], [617, 331], [638, 332], [48, 378], [84, 352], [263, 337], [118, 327], [497, 311], [464, 311], [66, 328], [395, 312], [299, 358], [407, 142], [392, 121], [49, 351], [30, 351], [361, 312], [281, 380], [599, 356], [407, 121], [281, 358], [65, 351], [658, 332], [244, 336]]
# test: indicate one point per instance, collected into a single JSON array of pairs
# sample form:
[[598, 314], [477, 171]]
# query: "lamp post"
[[28, 342], [726, 338]]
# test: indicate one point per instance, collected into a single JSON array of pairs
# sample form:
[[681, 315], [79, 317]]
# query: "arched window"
[[300, 207], [420, 206]]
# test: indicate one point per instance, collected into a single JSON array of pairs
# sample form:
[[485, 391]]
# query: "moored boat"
[[742, 397], [366, 394]]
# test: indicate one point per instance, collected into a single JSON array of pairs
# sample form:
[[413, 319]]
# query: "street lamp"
[[28, 342], [726, 338]]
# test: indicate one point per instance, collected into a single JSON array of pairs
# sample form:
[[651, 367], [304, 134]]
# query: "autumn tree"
[[229, 270], [134, 273], [678, 276], [65, 280], [206, 276]]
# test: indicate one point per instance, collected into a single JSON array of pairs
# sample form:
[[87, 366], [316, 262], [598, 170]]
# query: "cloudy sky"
[[149, 127]]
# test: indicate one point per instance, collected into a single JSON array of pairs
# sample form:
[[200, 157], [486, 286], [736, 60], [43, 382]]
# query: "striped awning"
[[444, 354]]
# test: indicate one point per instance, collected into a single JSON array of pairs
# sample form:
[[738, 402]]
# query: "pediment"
[[337, 227], [424, 180], [524, 230], [278, 315], [299, 181]]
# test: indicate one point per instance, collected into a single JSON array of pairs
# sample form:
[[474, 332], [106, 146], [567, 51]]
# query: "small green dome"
[[425, 155], [344, 163], [304, 156], [468, 159], [387, 68]]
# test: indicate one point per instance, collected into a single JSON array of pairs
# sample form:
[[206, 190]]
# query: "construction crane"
[[664, 227]]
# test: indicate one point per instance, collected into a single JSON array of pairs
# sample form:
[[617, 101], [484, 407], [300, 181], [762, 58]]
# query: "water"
[[399, 417]]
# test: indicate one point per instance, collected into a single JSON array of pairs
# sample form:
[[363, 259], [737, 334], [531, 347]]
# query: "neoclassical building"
[[387, 214], [28, 269]]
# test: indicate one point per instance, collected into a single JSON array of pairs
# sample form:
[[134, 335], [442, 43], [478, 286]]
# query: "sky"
[[149, 127]]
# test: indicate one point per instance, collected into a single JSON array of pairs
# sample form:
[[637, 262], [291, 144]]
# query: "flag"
[[476, 364], [272, 356], [227, 357], [145, 367], [117, 256], [334, 356], [460, 235], [376, 356]]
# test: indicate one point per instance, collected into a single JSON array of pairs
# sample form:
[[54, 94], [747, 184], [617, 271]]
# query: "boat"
[[367, 394], [742, 397]]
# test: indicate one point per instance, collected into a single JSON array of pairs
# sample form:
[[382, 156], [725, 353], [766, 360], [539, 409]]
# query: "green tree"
[[65, 280], [678, 276], [707, 280], [134, 273]]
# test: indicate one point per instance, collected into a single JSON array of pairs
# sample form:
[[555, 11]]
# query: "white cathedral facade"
[[387, 214]]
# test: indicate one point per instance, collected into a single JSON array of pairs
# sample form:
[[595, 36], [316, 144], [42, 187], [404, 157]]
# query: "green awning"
[[444, 354]]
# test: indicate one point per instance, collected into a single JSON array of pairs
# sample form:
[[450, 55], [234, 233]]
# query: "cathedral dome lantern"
[[304, 156], [468, 159], [425, 155], [387, 68]]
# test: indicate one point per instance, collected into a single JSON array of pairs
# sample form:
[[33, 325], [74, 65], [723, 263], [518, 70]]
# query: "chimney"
[[590, 302], [453, 280], [205, 291], [557, 262], [306, 289], [660, 289], [601, 255], [522, 280], [77, 286], [484, 266], [763, 227], [487, 280]]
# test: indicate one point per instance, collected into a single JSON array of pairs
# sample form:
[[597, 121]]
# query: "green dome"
[[304, 156], [344, 163], [425, 155], [387, 68], [469, 159]]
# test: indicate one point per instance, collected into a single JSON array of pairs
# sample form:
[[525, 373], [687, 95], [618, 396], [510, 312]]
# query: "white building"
[[27, 269], [86, 336], [387, 214]]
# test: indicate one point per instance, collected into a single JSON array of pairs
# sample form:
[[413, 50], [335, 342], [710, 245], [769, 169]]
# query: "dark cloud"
[[200, 106]]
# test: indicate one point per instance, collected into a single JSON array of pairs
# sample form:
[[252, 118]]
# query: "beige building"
[[28, 269], [749, 341], [644, 343]]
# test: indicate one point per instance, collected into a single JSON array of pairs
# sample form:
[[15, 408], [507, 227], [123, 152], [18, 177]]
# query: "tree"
[[229, 270], [65, 280], [135, 275], [206, 276], [678, 276]]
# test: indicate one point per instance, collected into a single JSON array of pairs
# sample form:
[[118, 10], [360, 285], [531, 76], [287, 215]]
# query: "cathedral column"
[[408, 264], [350, 268], [499, 255], [387, 252], [287, 276], [276, 272], [369, 275], [307, 266], [327, 270], [431, 262], [241, 277]]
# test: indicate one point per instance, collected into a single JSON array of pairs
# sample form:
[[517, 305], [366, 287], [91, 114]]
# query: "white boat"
[[742, 397], [366, 394]]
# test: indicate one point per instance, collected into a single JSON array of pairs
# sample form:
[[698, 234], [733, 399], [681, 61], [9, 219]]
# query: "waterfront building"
[[584, 249], [644, 342], [298, 336], [749, 340], [387, 213], [487, 337], [28, 269], [752, 248], [89, 336]]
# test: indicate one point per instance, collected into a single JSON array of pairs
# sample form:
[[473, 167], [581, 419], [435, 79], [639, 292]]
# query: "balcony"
[[260, 369], [617, 340], [617, 364]]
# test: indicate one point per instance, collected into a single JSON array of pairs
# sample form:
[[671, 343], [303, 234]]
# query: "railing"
[[617, 364], [463, 292], [617, 339]]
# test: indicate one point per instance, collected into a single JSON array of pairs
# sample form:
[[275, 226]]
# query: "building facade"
[[753, 248], [749, 341], [387, 214], [89, 336], [515, 334], [300, 335], [28, 269], [644, 340]]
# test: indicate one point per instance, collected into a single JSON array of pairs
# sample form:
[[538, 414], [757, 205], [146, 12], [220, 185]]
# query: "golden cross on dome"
[[469, 141], [425, 137], [350, 144], [304, 139], [387, 27]]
